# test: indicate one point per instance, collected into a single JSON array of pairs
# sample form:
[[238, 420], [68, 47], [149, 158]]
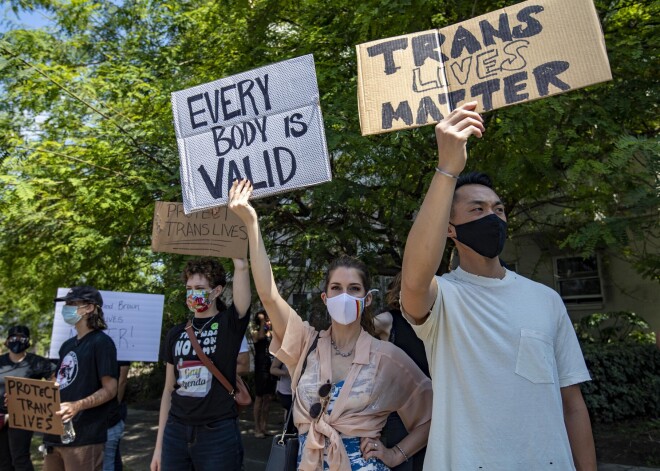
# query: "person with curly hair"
[[198, 421]]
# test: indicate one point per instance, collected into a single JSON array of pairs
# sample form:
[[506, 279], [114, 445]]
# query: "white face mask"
[[344, 308]]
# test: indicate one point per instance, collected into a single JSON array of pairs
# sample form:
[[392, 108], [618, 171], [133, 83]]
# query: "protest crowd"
[[478, 368], [480, 363]]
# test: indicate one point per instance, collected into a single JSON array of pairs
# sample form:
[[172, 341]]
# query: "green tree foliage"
[[87, 141]]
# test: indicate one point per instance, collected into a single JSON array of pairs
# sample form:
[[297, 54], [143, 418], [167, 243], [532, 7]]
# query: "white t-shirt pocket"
[[536, 357]]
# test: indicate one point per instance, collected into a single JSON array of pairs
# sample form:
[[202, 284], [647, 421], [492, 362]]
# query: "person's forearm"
[[428, 236], [165, 402], [241, 293], [414, 441], [262, 272], [277, 308], [122, 382], [101, 396], [277, 371], [578, 428], [121, 391]]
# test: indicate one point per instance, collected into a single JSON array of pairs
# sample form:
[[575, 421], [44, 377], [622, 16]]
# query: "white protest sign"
[[264, 125], [134, 324]]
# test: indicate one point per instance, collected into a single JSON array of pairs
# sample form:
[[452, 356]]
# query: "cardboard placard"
[[32, 404], [205, 233], [520, 53], [134, 324], [264, 125]]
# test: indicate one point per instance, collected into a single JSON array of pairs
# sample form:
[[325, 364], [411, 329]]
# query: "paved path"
[[138, 442]]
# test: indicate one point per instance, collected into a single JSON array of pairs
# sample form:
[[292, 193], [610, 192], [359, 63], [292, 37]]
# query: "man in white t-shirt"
[[504, 357]]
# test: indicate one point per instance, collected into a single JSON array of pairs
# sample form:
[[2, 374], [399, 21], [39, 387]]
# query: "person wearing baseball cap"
[[18, 362], [87, 375]]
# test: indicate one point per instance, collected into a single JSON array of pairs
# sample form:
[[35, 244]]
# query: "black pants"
[[15, 449]]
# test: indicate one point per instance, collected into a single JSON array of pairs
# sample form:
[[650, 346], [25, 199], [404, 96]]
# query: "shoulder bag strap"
[[293, 392], [206, 361]]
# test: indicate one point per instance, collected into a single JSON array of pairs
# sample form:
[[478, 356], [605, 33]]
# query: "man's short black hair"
[[474, 178]]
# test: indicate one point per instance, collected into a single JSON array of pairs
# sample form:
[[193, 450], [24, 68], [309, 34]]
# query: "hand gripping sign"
[[520, 53], [264, 125]]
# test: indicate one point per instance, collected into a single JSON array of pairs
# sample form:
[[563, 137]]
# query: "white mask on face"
[[344, 308]]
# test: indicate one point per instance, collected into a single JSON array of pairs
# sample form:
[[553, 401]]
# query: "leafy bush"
[[624, 363], [610, 327], [625, 381]]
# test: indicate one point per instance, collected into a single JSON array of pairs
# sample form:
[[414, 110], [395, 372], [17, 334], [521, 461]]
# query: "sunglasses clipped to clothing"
[[318, 408]]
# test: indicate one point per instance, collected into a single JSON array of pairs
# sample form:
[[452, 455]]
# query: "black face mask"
[[486, 236], [17, 346]]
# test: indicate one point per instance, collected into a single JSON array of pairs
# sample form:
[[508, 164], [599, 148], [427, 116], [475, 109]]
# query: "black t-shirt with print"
[[198, 398], [32, 367], [83, 362]]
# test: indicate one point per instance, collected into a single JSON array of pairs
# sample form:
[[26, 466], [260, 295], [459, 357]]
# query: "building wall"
[[622, 287]]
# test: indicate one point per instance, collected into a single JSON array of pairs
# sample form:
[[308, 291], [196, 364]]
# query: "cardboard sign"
[[32, 404], [520, 53], [222, 234], [134, 324], [264, 125]]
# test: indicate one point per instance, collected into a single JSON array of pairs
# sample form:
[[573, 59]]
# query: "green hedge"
[[625, 381]]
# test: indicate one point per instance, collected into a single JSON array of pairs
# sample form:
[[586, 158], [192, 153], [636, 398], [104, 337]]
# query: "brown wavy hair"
[[209, 268], [393, 293], [95, 320], [212, 270], [346, 261]]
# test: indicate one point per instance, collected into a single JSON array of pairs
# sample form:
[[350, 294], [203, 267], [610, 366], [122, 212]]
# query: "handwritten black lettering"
[[402, 112], [546, 74], [387, 49], [229, 102]]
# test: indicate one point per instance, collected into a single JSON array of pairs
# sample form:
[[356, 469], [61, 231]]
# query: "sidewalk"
[[142, 425]]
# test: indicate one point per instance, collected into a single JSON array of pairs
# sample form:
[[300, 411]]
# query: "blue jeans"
[[202, 447], [111, 445]]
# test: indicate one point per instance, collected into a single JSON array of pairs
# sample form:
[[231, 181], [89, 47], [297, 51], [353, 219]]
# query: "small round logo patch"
[[214, 326]]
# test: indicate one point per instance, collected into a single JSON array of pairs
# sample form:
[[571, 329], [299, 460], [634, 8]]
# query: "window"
[[578, 280]]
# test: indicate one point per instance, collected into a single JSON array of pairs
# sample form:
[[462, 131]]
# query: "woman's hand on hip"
[[374, 448]]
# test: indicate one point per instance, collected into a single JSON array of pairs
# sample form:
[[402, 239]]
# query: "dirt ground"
[[634, 442]]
